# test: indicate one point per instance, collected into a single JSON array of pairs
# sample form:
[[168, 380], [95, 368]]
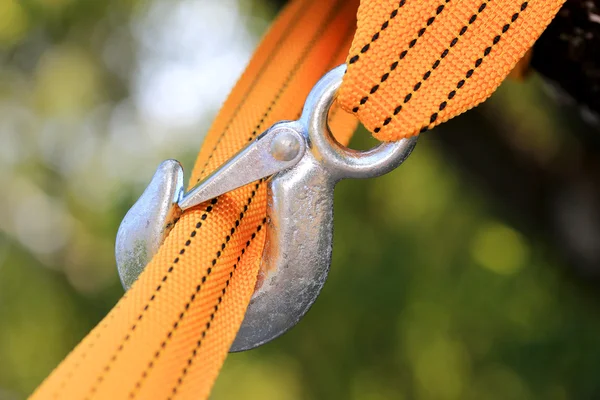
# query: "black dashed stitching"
[[190, 360], [374, 38], [437, 62], [402, 55], [164, 343], [85, 353], [470, 72], [259, 74], [107, 367], [301, 60]]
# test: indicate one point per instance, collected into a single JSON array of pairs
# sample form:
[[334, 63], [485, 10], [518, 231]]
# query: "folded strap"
[[415, 64]]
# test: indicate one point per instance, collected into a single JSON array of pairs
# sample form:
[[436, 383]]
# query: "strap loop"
[[416, 64]]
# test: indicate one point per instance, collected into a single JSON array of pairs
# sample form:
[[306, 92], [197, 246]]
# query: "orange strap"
[[415, 64], [412, 65]]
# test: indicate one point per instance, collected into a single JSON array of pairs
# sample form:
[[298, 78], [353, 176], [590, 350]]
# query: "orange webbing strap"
[[413, 64], [169, 335], [417, 63]]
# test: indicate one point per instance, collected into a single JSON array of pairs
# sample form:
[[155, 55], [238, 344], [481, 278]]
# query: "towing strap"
[[412, 64]]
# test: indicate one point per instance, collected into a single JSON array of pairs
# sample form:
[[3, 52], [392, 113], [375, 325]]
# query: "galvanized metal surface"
[[275, 150], [145, 225], [299, 241]]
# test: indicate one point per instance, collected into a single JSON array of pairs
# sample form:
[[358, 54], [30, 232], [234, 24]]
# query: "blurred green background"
[[469, 273]]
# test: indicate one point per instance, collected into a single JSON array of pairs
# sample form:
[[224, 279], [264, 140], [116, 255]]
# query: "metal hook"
[[151, 218], [298, 248], [305, 162]]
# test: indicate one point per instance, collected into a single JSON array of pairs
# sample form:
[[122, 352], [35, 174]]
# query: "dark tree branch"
[[568, 54]]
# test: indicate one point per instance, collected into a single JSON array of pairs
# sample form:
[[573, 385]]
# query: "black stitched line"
[[435, 65], [294, 70], [478, 63], [260, 73], [84, 354], [332, 64], [190, 360], [126, 338], [383, 27], [218, 254], [401, 56], [307, 49], [333, 111]]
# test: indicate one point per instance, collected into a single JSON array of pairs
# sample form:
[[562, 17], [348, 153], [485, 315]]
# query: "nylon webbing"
[[169, 335], [415, 64]]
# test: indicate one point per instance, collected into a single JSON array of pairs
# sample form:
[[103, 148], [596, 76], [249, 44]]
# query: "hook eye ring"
[[341, 161]]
